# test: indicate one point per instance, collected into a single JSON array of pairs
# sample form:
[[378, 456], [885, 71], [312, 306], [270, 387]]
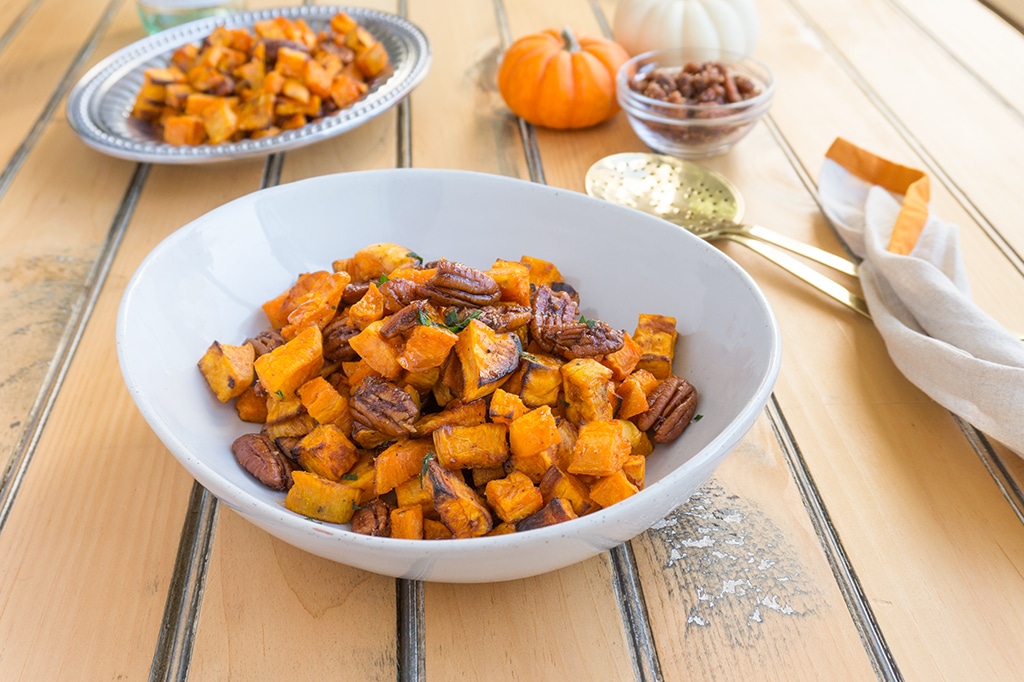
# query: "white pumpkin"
[[644, 25]]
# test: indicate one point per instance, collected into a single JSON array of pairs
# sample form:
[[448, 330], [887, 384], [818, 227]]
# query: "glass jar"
[[157, 15]]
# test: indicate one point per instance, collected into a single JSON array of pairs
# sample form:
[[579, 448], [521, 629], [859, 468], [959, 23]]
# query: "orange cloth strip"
[[910, 182]]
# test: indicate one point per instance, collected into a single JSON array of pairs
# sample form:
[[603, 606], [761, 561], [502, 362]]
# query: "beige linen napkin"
[[916, 287]]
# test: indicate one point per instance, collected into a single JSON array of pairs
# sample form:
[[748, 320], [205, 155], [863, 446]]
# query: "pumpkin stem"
[[569, 38]]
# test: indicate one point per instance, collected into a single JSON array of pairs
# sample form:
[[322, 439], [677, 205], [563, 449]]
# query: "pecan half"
[[399, 293], [403, 321], [336, 336], [456, 284], [266, 341], [558, 328], [379, 405], [673, 402], [354, 291], [500, 318], [258, 455], [373, 519]]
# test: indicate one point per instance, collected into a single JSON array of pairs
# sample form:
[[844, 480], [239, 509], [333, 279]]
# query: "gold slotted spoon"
[[706, 204]]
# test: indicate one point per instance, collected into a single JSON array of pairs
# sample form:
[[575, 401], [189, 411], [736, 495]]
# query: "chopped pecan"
[[456, 284], [673, 402], [336, 336], [266, 341], [354, 291], [558, 328], [379, 405], [373, 519], [399, 293], [500, 318], [258, 455], [404, 320]]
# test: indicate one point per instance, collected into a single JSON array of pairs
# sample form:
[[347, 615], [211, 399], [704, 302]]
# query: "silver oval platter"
[[99, 107]]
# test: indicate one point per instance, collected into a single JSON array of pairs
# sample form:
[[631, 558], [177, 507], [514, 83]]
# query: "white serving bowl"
[[207, 281]]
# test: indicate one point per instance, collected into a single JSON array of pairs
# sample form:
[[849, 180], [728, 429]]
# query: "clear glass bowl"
[[689, 130]]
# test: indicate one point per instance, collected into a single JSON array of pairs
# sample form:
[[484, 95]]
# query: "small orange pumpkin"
[[555, 80]]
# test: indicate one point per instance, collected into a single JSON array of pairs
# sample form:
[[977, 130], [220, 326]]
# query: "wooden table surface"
[[859, 531]]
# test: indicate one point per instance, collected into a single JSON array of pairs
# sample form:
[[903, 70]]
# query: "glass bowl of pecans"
[[694, 102]]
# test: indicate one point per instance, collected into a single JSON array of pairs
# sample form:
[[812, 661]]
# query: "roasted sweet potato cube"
[[561, 484], [346, 90], [470, 447], [150, 101], [292, 122], [639, 443], [656, 335], [541, 271], [623, 361], [533, 432], [487, 358], [359, 39], [228, 369], [513, 279], [538, 380], [256, 114], [342, 23], [600, 449], [379, 353], [358, 370], [633, 391], [319, 498], [284, 369], [608, 490], [185, 56], [317, 78], [184, 129], [324, 403], [176, 94], [251, 406], [206, 78], [369, 263], [367, 309], [563, 451], [317, 304], [273, 82], [589, 390], [361, 476], [373, 60], [422, 380], [281, 409], [514, 497], [536, 465], [435, 530], [459, 506], [426, 348], [481, 476], [635, 469], [416, 490], [197, 103], [456, 413], [290, 63], [400, 462], [220, 121], [295, 427], [555, 511], [326, 451], [505, 407], [407, 522]]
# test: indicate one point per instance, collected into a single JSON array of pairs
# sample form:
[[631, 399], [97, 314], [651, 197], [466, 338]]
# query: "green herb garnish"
[[426, 463], [350, 477], [279, 394], [590, 323], [697, 417], [382, 280], [418, 257]]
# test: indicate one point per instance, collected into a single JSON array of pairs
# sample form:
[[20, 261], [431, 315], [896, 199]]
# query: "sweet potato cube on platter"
[[541, 271], [555, 511], [323, 402], [487, 359], [317, 304], [184, 130], [482, 475], [361, 476], [319, 498], [150, 101], [538, 380], [294, 427], [220, 121], [326, 451], [470, 447], [228, 369], [426, 348], [317, 78], [416, 491], [608, 490], [588, 389], [656, 335], [536, 465], [633, 391], [455, 413], [346, 90], [505, 407], [373, 60], [379, 353], [273, 82], [563, 451], [639, 443], [514, 497], [257, 114], [502, 528], [185, 56], [533, 432], [284, 369], [399, 462], [407, 522], [623, 361], [293, 122], [370, 262], [562, 484], [198, 102], [459, 506], [251, 406], [281, 409], [291, 63], [600, 449]]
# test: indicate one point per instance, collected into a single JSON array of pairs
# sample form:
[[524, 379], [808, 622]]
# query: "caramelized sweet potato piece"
[[589, 391], [228, 369], [541, 271], [319, 498], [514, 497], [608, 490], [471, 447], [533, 432], [656, 335], [600, 449], [284, 369], [538, 380], [407, 522], [561, 484], [426, 348], [505, 407], [324, 403], [400, 462], [486, 357], [379, 353], [326, 451], [555, 511], [459, 506]]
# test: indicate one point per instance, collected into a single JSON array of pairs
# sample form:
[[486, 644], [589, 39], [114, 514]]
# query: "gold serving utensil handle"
[[837, 263], [809, 275]]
